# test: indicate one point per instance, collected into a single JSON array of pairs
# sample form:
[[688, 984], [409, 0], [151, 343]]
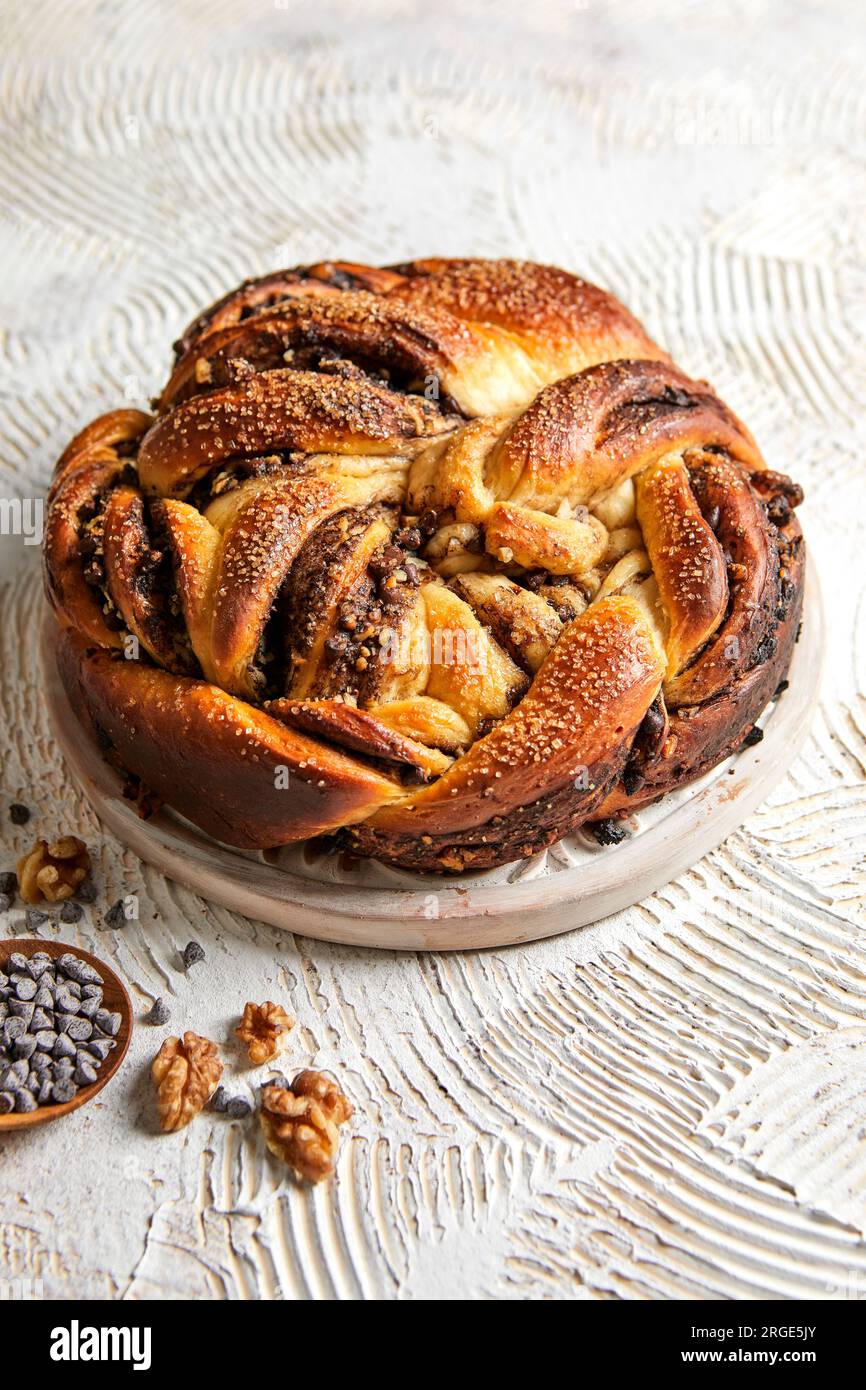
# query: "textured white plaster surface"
[[669, 1104]]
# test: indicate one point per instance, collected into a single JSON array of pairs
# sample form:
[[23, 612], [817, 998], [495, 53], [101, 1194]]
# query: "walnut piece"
[[186, 1075], [301, 1125], [52, 872], [264, 1028]]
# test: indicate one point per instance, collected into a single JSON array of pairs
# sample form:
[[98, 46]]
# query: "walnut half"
[[186, 1075], [264, 1028], [301, 1124], [52, 872]]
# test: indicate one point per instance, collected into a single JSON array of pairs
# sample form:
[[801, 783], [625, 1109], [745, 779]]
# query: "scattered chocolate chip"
[[780, 689], [9, 883], [219, 1101], [19, 814], [34, 917], [609, 832], [115, 917], [192, 953], [754, 736], [238, 1108], [86, 891], [158, 1014], [71, 912]]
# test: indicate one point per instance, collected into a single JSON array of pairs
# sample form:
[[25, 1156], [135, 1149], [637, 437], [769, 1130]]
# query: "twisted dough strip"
[[449, 557]]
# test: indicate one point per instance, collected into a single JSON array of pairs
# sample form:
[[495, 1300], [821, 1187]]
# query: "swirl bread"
[[445, 559]]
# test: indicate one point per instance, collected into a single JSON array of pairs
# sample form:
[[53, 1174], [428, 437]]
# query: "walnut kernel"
[[301, 1125], [186, 1075], [52, 872], [264, 1028]]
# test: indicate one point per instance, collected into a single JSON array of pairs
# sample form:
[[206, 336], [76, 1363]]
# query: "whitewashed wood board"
[[668, 1104]]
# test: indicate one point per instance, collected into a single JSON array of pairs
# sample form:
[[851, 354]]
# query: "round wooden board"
[[115, 998], [447, 914]]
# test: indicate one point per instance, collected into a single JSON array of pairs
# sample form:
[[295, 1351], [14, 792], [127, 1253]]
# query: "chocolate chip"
[[5, 902], [25, 1046], [108, 1022], [192, 953], [46, 1040], [609, 832], [755, 735], [238, 1108], [78, 970], [63, 1091], [26, 988], [25, 1103], [115, 917], [71, 912], [158, 1014], [84, 1074], [7, 1102], [100, 1047], [9, 883], [34, 917], [13, 1028], [19, 814], [219, 1101], [64, 1047], [86, 891]]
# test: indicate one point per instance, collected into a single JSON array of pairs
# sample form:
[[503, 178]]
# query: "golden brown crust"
[[240, 774], [570, 732], [446, 557]]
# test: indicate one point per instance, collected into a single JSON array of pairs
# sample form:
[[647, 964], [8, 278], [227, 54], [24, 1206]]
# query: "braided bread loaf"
[[446, 558]]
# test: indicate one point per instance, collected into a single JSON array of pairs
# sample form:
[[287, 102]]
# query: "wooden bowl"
[[115, 998]]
